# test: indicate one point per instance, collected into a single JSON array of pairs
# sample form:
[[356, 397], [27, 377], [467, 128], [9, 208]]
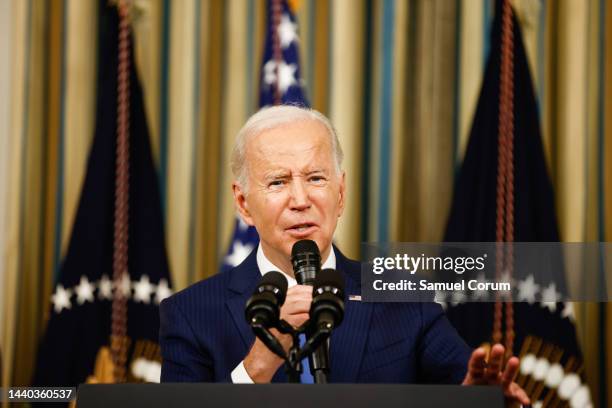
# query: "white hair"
[[271, 118]]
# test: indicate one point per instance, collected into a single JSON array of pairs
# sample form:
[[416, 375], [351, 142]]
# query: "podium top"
[[286, 395]]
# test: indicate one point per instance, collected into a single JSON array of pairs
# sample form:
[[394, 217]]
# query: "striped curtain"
[[399, 79]]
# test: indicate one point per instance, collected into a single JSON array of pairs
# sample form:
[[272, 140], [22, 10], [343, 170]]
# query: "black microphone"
[[264, 306], [326, 313], [262, 310], [327, 309], [306, 260]]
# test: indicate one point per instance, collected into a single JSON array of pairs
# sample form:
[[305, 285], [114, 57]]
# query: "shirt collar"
[[265, 266]]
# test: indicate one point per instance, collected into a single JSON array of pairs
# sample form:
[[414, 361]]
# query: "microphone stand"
[[318, 357], [293, 364], [317, 344], [321, 369], [293, 359]]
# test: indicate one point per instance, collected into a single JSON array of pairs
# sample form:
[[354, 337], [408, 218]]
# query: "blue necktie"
[[305, 377]]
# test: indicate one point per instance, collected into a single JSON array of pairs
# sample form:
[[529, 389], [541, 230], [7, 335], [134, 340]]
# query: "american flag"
[[280, 84]]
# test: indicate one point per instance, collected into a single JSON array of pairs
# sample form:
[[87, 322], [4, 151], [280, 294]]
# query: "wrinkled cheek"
[[273, 209]]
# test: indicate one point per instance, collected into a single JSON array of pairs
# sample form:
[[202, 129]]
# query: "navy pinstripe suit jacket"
[[204, 335]]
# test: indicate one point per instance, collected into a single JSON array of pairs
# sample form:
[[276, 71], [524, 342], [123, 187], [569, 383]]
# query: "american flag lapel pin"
[[356, 298]]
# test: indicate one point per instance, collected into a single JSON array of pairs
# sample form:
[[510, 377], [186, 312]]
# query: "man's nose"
[[299, 195]]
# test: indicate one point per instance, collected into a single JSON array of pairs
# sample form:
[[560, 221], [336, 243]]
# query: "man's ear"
[[342, 194], [241, 204]]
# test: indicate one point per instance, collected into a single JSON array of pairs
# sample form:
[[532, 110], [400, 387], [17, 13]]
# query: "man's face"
[[294, 192]]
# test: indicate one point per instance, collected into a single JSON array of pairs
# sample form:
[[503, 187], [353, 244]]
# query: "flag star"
[[287, 31], [239, 253], [568, 311], [552, 306], [162, 292], [458, 297], [143, 289], [286, 75], [84, 291], [269, 72], [124, 285], [242, 226], [105, 288], [528, 289], [550, 294], [440, 298], [61, 298]]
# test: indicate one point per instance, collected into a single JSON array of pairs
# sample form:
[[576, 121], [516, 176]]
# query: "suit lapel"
[[243, 280], [348, 341]]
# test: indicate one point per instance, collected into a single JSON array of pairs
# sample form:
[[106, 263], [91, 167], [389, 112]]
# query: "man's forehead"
[[301, 138], [290, 150]]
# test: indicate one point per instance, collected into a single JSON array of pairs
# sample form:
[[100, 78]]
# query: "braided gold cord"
[[119, 339], [505, 177]]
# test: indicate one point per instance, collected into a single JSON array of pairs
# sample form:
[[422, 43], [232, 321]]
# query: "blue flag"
[[280, 84], [545, 335], [75, 345]]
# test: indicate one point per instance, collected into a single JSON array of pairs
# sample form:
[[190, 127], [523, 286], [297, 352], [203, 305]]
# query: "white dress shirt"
[[239, 374]]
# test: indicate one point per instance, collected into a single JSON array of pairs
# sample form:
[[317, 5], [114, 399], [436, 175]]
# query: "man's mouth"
[[302, 229]]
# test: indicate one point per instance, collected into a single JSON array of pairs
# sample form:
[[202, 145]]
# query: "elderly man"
[[289, 184]]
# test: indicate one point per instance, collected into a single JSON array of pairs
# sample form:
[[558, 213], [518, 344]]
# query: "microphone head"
[[264, 306], [306, 261], [304, 246], [327, 309], [330, 278], [275, 282]]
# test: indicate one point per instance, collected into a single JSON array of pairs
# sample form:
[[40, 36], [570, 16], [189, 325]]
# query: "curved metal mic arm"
[[268, 339], [293, 365], [293, 359], [317, 338]]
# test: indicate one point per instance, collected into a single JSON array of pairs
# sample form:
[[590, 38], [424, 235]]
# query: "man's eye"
[[317, 179], [276, 183]]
